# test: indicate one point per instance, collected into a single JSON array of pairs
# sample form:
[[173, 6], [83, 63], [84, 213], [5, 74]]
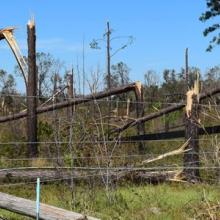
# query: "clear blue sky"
[[162, 30]]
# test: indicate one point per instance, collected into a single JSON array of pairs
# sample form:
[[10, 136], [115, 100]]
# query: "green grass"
[[166, 201]]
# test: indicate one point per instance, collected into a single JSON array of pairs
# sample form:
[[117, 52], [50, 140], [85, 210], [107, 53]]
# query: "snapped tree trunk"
[[191, 156], [32, 92], [139, 93]]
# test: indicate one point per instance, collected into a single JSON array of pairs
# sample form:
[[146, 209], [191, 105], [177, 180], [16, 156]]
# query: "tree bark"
[[139, 93], [77, 101], [83, 173], [70, 95], [103, 94], [167, 110], [191, 156], [32, 92]]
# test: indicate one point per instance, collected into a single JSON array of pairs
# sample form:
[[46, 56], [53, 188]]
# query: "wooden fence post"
[[32, 91], [139, 93], [191, 156]]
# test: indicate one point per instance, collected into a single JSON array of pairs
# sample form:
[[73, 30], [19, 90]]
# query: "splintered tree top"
[[10, 29]]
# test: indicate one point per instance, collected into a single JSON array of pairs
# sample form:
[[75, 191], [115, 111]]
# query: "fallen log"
[[164, 111], [47, 212], [72, 102], [29, 175], [149, 117], [154, 177]]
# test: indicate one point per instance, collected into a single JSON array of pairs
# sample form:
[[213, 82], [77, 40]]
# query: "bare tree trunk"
[[166, 118], [70, 95], [108, 63], [56, 121], [32, 92], [140, 113], [191, 156], [70, 113]]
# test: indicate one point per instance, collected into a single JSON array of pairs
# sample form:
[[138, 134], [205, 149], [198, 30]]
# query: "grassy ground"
[[166, 201]]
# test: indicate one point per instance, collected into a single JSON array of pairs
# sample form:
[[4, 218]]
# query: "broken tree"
[[173, 108], [32, 91], [191, 155], [77, 101], [139, 93]]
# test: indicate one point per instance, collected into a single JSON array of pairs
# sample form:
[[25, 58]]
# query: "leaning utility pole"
[[32, 91]]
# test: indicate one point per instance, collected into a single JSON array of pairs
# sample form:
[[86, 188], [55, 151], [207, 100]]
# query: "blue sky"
[[162, 30]]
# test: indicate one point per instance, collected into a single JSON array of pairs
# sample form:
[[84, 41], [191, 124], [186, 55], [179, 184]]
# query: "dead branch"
[[171, 153]]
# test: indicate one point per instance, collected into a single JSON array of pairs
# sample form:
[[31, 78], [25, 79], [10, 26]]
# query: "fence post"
[[191, 156], [32, 91], [38, 199]]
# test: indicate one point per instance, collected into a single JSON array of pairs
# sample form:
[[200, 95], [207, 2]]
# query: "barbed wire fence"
[[86, 145]]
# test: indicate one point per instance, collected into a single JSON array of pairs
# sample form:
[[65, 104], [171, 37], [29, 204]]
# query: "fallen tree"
[[72, 102], [164, 111], [138, 175]]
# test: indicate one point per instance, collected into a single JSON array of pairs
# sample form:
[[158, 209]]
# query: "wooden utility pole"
[[108, 33], [108, 63], [32, 91], [187, 69], [191, 156], [83, 65]]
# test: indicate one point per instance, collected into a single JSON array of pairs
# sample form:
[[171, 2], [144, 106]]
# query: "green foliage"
[[212, 78], [166, 201], [119, 75], [213, 10], [7, 82], [44, 129]]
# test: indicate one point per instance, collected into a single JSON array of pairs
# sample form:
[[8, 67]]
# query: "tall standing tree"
[[7, 88], [122, 70], [212, 78], [213, 10]]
